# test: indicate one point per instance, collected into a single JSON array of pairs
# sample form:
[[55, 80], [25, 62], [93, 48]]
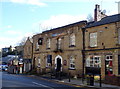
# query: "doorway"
[[58, 63]]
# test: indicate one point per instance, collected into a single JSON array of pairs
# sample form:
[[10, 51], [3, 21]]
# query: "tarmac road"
[[13, 81]]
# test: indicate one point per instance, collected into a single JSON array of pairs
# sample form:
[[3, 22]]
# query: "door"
[[58, 64]]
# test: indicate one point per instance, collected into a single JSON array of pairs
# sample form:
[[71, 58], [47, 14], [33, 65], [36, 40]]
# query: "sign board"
[[65, 63], [93, 70]]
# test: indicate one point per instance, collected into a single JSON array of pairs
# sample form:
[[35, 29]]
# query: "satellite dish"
[[104, 11]]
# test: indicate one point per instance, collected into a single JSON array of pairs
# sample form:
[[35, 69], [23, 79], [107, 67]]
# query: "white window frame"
[[59, 43], [72, 40], [72, 63], [93, 39], [37, 46], [90, 61], [119, 36]]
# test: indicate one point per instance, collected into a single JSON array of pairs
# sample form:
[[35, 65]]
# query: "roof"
[[106, 20], [84, 21]]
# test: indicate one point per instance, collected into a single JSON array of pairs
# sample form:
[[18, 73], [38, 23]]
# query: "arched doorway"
[[58, 63]]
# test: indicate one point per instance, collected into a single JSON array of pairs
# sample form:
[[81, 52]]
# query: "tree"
[[22, 42], [90, 18]]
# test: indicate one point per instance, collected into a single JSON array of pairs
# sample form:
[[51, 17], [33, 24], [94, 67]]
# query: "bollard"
[[69, 76], [100, 81]]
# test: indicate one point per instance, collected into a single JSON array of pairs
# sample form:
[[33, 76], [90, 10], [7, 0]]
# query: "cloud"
[[30, 2], [60, 20], [9, 26], [13, 32], [78, 0]]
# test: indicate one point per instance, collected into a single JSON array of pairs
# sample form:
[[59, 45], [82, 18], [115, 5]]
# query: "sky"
[[23, 18]]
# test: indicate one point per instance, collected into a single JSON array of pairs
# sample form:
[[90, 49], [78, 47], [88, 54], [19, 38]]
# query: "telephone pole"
[[118, 7]]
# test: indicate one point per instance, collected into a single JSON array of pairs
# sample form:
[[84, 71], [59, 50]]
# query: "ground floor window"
[[109, 65], [39, 62], [93, 61], [49, 61], [72, 63]]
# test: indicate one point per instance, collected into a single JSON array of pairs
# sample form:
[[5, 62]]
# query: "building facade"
[[60, 49], [102, 45]]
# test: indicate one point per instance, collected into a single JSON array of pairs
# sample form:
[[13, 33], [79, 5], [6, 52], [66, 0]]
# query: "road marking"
[[42, 85]]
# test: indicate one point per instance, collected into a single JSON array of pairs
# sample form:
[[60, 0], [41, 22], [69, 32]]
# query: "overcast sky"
[[23, 18]]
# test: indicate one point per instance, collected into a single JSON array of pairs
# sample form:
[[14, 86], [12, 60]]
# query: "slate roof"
[[84, 21], [106, 20]]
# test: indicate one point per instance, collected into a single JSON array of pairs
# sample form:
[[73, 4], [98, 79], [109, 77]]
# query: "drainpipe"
[[83, 54], [32, 58]]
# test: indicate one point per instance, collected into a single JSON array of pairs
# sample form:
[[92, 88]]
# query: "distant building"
[[5, 50], [28, 54], [59, 49], [19, 50]]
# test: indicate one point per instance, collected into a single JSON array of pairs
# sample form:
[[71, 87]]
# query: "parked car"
[[4, 67]]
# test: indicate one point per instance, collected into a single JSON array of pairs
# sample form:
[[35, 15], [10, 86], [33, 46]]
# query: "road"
[[13, 81]]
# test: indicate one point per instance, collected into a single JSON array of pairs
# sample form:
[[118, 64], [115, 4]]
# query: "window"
[[39, 62], [93, 39], [48, 43], [37, 46], [93, 61], [72, 40], [40, 41], [109, 65], [59, 43], [72, 63], [119, 36], [119, 64], [49, 61]]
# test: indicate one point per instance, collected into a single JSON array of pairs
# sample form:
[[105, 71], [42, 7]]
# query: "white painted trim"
[[56, 61]]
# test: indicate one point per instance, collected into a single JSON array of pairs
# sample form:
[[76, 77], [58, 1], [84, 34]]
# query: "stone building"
[[102, 45], [59, 49], [28, 55]]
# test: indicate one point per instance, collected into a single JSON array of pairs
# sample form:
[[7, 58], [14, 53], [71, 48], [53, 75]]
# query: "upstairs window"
[[119, 36], [72, 40], [48, 43], [72, 63], [93, 39], [37, 46], [59, 43], [40, 41]]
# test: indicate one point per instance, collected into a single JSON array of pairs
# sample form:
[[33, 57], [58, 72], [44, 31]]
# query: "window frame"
[[72, 62], [119, 36], [90, 62], [72, 40], [37, 46], [48, 43], [93, 39], [47, 63], [108, 67]]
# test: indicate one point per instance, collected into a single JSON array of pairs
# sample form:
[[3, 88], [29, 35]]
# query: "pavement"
[[77, 82]]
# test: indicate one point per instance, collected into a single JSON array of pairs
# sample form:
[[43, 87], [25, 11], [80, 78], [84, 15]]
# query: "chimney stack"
[[98, 15]]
